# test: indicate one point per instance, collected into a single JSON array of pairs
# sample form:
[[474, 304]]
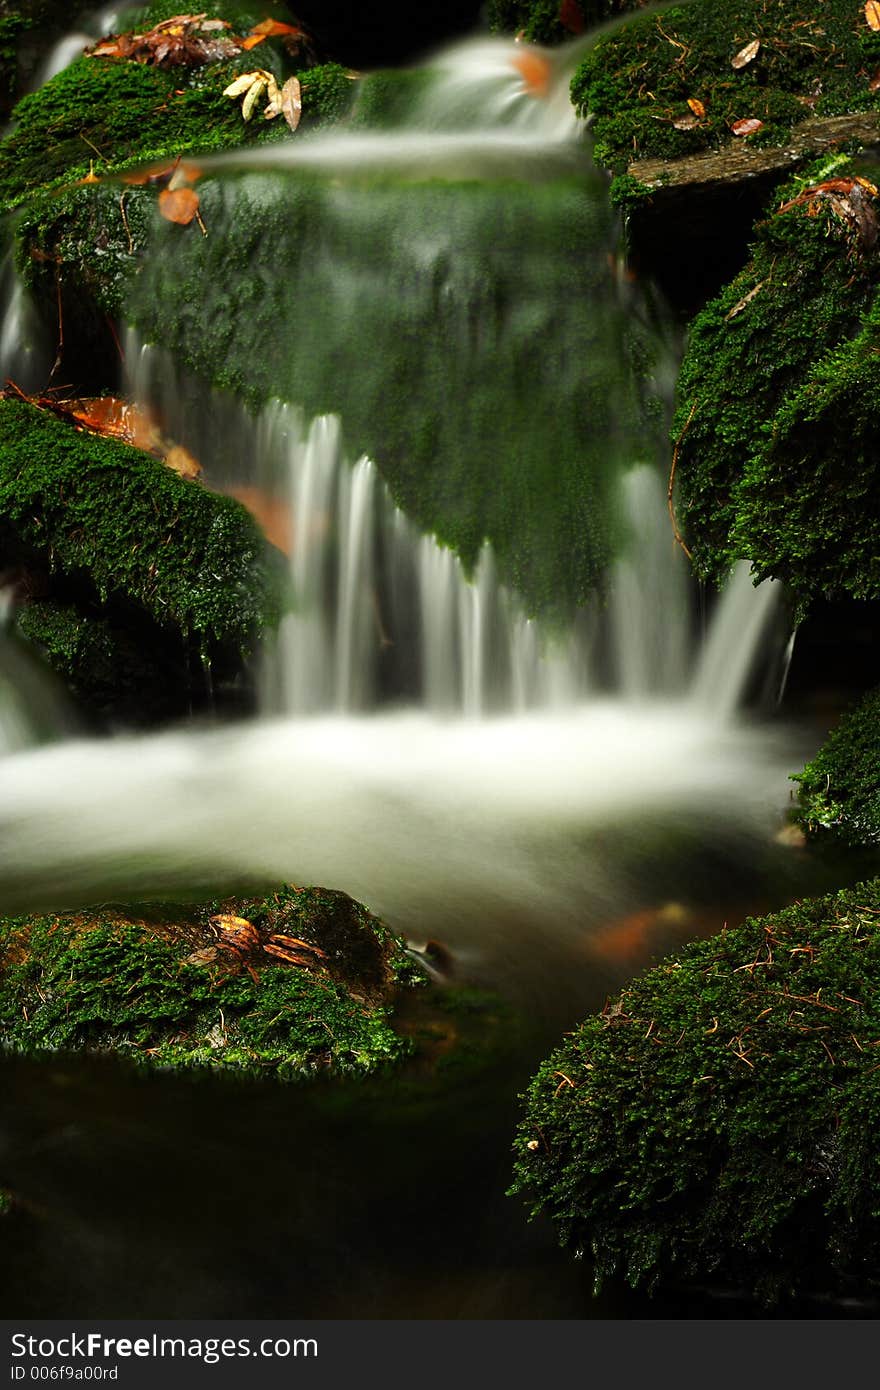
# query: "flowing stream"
[[556, 800]]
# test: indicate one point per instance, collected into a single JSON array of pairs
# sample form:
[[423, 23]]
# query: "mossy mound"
[[498, 405], [718, 1122], [135, 549], [637, 82], [108, 114], [839, 792], [168, 986], [553, 21], [776, 424]]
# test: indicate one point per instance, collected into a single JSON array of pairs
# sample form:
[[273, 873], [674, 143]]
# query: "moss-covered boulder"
[[675, 82], [142, 567], [776, 428], [553, 21], [839, 791], [298, 983], [105, 114], [718, 1122]]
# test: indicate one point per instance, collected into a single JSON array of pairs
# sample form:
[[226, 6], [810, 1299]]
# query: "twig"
[[91, 145], [671, 488], [60, 349], [125, 224]]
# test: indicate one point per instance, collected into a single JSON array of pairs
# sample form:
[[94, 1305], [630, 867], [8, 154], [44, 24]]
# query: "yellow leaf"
[[872, 15], [697, 107]]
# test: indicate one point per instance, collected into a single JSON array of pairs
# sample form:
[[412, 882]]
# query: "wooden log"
[[739, 163]]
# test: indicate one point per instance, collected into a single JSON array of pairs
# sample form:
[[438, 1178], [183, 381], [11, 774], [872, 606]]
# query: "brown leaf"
[[291, 941], [874, 83], [181, 461], [697, 107], [746, 55], [291, 102], [179, 205], [289, 956], [872, 15], [748, 126], [685, 123], [272, 28], [571, 17]]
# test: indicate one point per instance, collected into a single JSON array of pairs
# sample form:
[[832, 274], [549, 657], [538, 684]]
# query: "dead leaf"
[[274, 28], [745, 301], [746, 55], [874, 83], [251, 41], [291, 941], [685, 123], [181, 461], [291, 102], [748, 126], [184, 40], [697, 107], [535, 72], [179, 205], [571, 17], [872, 15]]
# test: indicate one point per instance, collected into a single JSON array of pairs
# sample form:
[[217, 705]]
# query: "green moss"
[[103, 514], [154, 985], [110, 114], [777, 440], [839, 792], [539, 20], [387, 99], [498, 405], [718, 1121], [637, 81]]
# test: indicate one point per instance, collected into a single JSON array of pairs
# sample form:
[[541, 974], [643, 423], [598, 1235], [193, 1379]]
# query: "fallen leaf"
[[181, 461], [697, 107], [747, 126], [179, 205], [272, 28], [535, 72], [685, 123], [571, 17], [746, 55], [872, 15], [874, 83], [251, 41], [291, 102]]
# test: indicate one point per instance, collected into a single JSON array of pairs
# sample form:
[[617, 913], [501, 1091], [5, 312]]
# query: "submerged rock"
[[717, 1123], [298, 983]]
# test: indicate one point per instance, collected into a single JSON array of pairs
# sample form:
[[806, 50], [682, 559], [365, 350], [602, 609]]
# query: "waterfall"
[[735, 639]]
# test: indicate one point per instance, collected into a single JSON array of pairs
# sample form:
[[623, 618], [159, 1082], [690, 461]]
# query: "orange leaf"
[[872, 15], [251, 41], [179, 205], [271, 28], [535, 72], [697, 107], [570, 17], [181, 461], [747, 126], [746, 55]]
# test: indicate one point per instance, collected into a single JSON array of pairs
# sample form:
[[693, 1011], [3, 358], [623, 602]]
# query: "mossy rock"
[[839, 791], [106, 115], [151, 559], [167, 986], [636, 83], [553, 21], [717, 1123], [498, 405], [776, 429]]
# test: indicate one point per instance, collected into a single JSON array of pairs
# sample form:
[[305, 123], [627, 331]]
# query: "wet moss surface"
[[839, 789], [717, 1123], [297, 983], [637, 82], [498, 405], [775, 431], [104, 514]]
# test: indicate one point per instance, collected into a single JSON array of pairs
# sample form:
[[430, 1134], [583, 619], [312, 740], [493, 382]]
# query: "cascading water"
[[454, 286]]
